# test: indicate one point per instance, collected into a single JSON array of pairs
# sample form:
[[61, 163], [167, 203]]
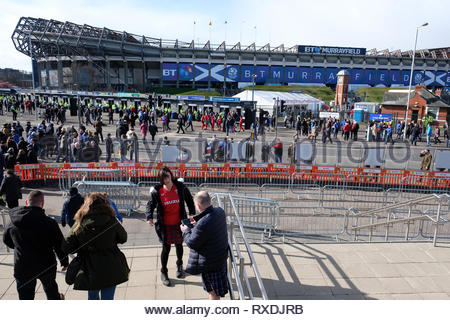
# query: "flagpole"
[[210, 24], [193, 39], [226, 24]]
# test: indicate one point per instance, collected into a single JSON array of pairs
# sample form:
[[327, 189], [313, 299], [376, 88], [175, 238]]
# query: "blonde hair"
[[94, 202]]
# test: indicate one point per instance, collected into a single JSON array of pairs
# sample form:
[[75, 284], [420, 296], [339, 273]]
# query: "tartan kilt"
[[216, 281], [173, 234]]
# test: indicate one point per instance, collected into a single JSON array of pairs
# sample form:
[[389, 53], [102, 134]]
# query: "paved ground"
[[291, 271]]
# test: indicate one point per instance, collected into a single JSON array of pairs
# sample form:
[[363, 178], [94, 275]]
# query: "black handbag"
[[72, 270]]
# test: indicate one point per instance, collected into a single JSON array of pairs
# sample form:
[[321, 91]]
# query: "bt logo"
[[169, 72]]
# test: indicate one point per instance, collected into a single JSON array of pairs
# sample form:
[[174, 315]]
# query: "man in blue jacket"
[[208, 241], [70, 207]]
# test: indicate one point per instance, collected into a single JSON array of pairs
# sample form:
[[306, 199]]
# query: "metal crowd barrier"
[[238, 255], [5, 220], [400, 220], [322, 224], [68, 177], [124, 194], [255, 213]]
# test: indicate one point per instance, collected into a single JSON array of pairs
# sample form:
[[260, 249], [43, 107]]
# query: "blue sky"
[[380, 24]]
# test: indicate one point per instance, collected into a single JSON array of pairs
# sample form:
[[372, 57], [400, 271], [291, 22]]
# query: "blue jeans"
[[387, 138], [448, 142], [107, 293]]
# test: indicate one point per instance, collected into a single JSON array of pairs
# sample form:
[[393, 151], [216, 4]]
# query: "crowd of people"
[[390, 131], [311, 128], [52, 139]]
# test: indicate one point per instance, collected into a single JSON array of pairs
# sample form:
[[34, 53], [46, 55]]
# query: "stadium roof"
[[437, 53], [41, 38]]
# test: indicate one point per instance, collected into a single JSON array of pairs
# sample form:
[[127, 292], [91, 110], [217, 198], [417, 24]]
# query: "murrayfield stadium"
[[71, 56]]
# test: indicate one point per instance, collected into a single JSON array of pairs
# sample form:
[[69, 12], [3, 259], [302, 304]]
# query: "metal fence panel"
[[125, 194], [68, 177], [4, 221], [320, 223]]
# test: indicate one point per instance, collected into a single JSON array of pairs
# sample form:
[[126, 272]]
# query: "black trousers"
[[165, 256], [26, 287], [12, 203]]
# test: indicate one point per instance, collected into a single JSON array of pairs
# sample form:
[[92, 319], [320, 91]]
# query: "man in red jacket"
[[278, 150], [347, 130]]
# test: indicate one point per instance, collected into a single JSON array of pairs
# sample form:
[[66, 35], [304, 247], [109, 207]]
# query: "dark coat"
[[415, 131], [153, 129], [32, 156], [35, 238], [103, 264], [109, 145], [155, 203], [208, 241], [10, 161], [2, 161], [11, 187], [70, 207]]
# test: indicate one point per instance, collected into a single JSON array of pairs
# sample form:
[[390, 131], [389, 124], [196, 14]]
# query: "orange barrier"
[[259, 171], [303, 173], [148, 171], [214, 166], [393, 177], [176, 168], [77, 165], [237, 168], [442, 179], [348, 175], [29, 172], [369, 176], [128, 169], [280, 171], [51, 170], [194, 171]]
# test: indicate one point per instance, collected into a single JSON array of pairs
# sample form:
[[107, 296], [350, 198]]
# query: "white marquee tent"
[[266, 99]]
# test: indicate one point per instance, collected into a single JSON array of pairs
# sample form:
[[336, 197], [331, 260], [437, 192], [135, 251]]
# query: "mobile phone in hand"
[[187, 223]]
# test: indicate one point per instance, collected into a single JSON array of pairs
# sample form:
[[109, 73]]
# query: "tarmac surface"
[[386, 271], [339, 153]]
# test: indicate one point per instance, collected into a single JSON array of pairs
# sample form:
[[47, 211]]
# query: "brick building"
[[422, 102]]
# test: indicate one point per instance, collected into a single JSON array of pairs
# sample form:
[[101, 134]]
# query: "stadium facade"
[[81, 57]]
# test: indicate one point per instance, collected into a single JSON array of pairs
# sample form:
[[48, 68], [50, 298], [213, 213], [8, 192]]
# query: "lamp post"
[[254, 115], [254, 105], [277, 103], [32, 77], [410, 78], [78, 105]]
